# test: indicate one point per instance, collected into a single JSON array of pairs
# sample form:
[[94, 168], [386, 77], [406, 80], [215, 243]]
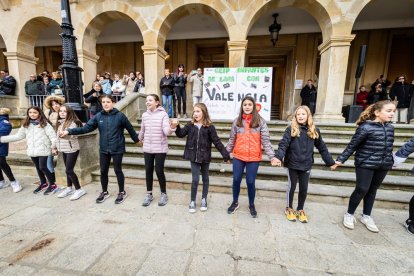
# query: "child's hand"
[[139, 144], [337, 163], [55, 152], [174, 123], [275, 162], [63, 133]]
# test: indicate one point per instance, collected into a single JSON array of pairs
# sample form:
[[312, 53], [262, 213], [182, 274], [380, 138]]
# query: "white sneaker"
[[192, 207], [77, 194], [369, 223], [65, 192], [3, 184], [185, 116], [16, 186], [178, 116], [349, 221]]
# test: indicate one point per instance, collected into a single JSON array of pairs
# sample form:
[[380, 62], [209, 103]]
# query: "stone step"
[[178, 143], [330, 178], [137, 152], [277, 189]]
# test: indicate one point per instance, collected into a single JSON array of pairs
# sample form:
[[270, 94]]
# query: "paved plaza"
[[45, 235]]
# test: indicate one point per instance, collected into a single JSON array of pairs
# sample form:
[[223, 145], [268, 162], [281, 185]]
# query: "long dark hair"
[[369, 112], [70, 118], [108, 97], [255, 122], [42, 118]]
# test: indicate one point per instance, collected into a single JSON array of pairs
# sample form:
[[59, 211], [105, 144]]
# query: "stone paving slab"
[[45, 235]]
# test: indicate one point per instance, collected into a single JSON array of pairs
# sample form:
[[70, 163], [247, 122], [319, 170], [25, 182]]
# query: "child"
[[155, 127], [400, 156], [70, 149], [249, 133], [41, 139], [373, 141], [200, 134], [92, 97], [296, 148], [111, 124], [5, 129]]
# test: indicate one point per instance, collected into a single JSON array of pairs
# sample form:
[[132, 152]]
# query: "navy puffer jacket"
[[373, 144], [5, 129]]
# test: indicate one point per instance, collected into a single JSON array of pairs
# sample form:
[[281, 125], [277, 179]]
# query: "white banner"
[[224, 89]]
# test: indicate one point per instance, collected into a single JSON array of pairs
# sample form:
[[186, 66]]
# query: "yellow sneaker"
[[290, 214], [302, 216]]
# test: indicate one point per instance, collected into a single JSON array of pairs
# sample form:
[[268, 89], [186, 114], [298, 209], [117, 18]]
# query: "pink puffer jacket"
[[155, 127]]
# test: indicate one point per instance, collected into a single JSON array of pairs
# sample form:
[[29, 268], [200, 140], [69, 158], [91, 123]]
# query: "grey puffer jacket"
[[373, 143]]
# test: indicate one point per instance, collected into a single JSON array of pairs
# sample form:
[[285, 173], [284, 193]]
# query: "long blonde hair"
[[295, 132], [369, 112]]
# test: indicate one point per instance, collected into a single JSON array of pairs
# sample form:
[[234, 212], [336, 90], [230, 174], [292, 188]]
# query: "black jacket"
[[140, 83], [198, 145], [374, 97], [179, 81], [373, 144], [298, 151], [166, 86], [33, 87], [308, 95], [46, 88], [403, 92], [111, 127], [8, 85], [96, 105]]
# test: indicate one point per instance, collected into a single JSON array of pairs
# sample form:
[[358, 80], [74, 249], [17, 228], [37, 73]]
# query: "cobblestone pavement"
[[45, 235]]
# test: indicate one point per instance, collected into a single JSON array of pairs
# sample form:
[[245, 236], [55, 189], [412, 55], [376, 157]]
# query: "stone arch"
[[99, 16], [3, 48], [174, 13], [29, 33], [313, 7]]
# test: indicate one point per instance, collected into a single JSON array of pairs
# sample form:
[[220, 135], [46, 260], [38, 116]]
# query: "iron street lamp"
[[71, 72], [274, 30]]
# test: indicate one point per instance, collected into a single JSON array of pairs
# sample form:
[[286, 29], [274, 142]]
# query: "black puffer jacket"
[[111, 127], [373, 144], [298, 151], [198, 145]]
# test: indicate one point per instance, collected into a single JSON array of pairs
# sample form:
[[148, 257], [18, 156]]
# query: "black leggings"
[[293, 177], [367, 183], [4, 167], [105, 161], [181, 94], [70, 161], [42, 171], [159, 159], [195, 171], [411, 209]]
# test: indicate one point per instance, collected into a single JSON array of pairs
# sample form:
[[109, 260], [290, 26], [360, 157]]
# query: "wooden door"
[[278, 63]]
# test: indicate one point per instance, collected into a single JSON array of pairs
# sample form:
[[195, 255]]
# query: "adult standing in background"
[[197, 79], [7, 83], [308, 95], [401, 92], [33, 86], [166, 86], [180, 80], [130, 84]]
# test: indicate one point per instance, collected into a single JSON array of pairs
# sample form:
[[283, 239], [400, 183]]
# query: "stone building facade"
[[328, 53]]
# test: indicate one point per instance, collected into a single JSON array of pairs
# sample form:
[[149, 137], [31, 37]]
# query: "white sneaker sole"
[[191, 211], [374, 230], [72, 198], [203, 209], [17, 190], [5, 186], [65, 195], [406, 227]]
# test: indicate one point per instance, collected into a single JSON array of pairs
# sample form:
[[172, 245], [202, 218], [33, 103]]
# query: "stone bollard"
[[88, 160]]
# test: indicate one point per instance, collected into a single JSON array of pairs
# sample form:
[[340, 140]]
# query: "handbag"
[[58, 91]]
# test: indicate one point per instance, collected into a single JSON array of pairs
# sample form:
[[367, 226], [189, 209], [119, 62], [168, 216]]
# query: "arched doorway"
[[294, 59], [116, 40], [387, 27], [3, 59], [196, 36], [48, 49]]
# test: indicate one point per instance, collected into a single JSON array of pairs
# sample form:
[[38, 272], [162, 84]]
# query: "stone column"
[[237, 53], [332, 73], [154, 63], [20, 67], [88, 62]]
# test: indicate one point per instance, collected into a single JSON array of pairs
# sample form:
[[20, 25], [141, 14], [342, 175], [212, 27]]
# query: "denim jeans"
[[251, 172], [167, 104]]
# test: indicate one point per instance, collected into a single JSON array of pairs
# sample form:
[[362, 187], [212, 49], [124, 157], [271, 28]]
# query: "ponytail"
[[369, 112]]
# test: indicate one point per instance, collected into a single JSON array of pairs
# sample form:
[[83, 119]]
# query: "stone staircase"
[[397, 188]]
